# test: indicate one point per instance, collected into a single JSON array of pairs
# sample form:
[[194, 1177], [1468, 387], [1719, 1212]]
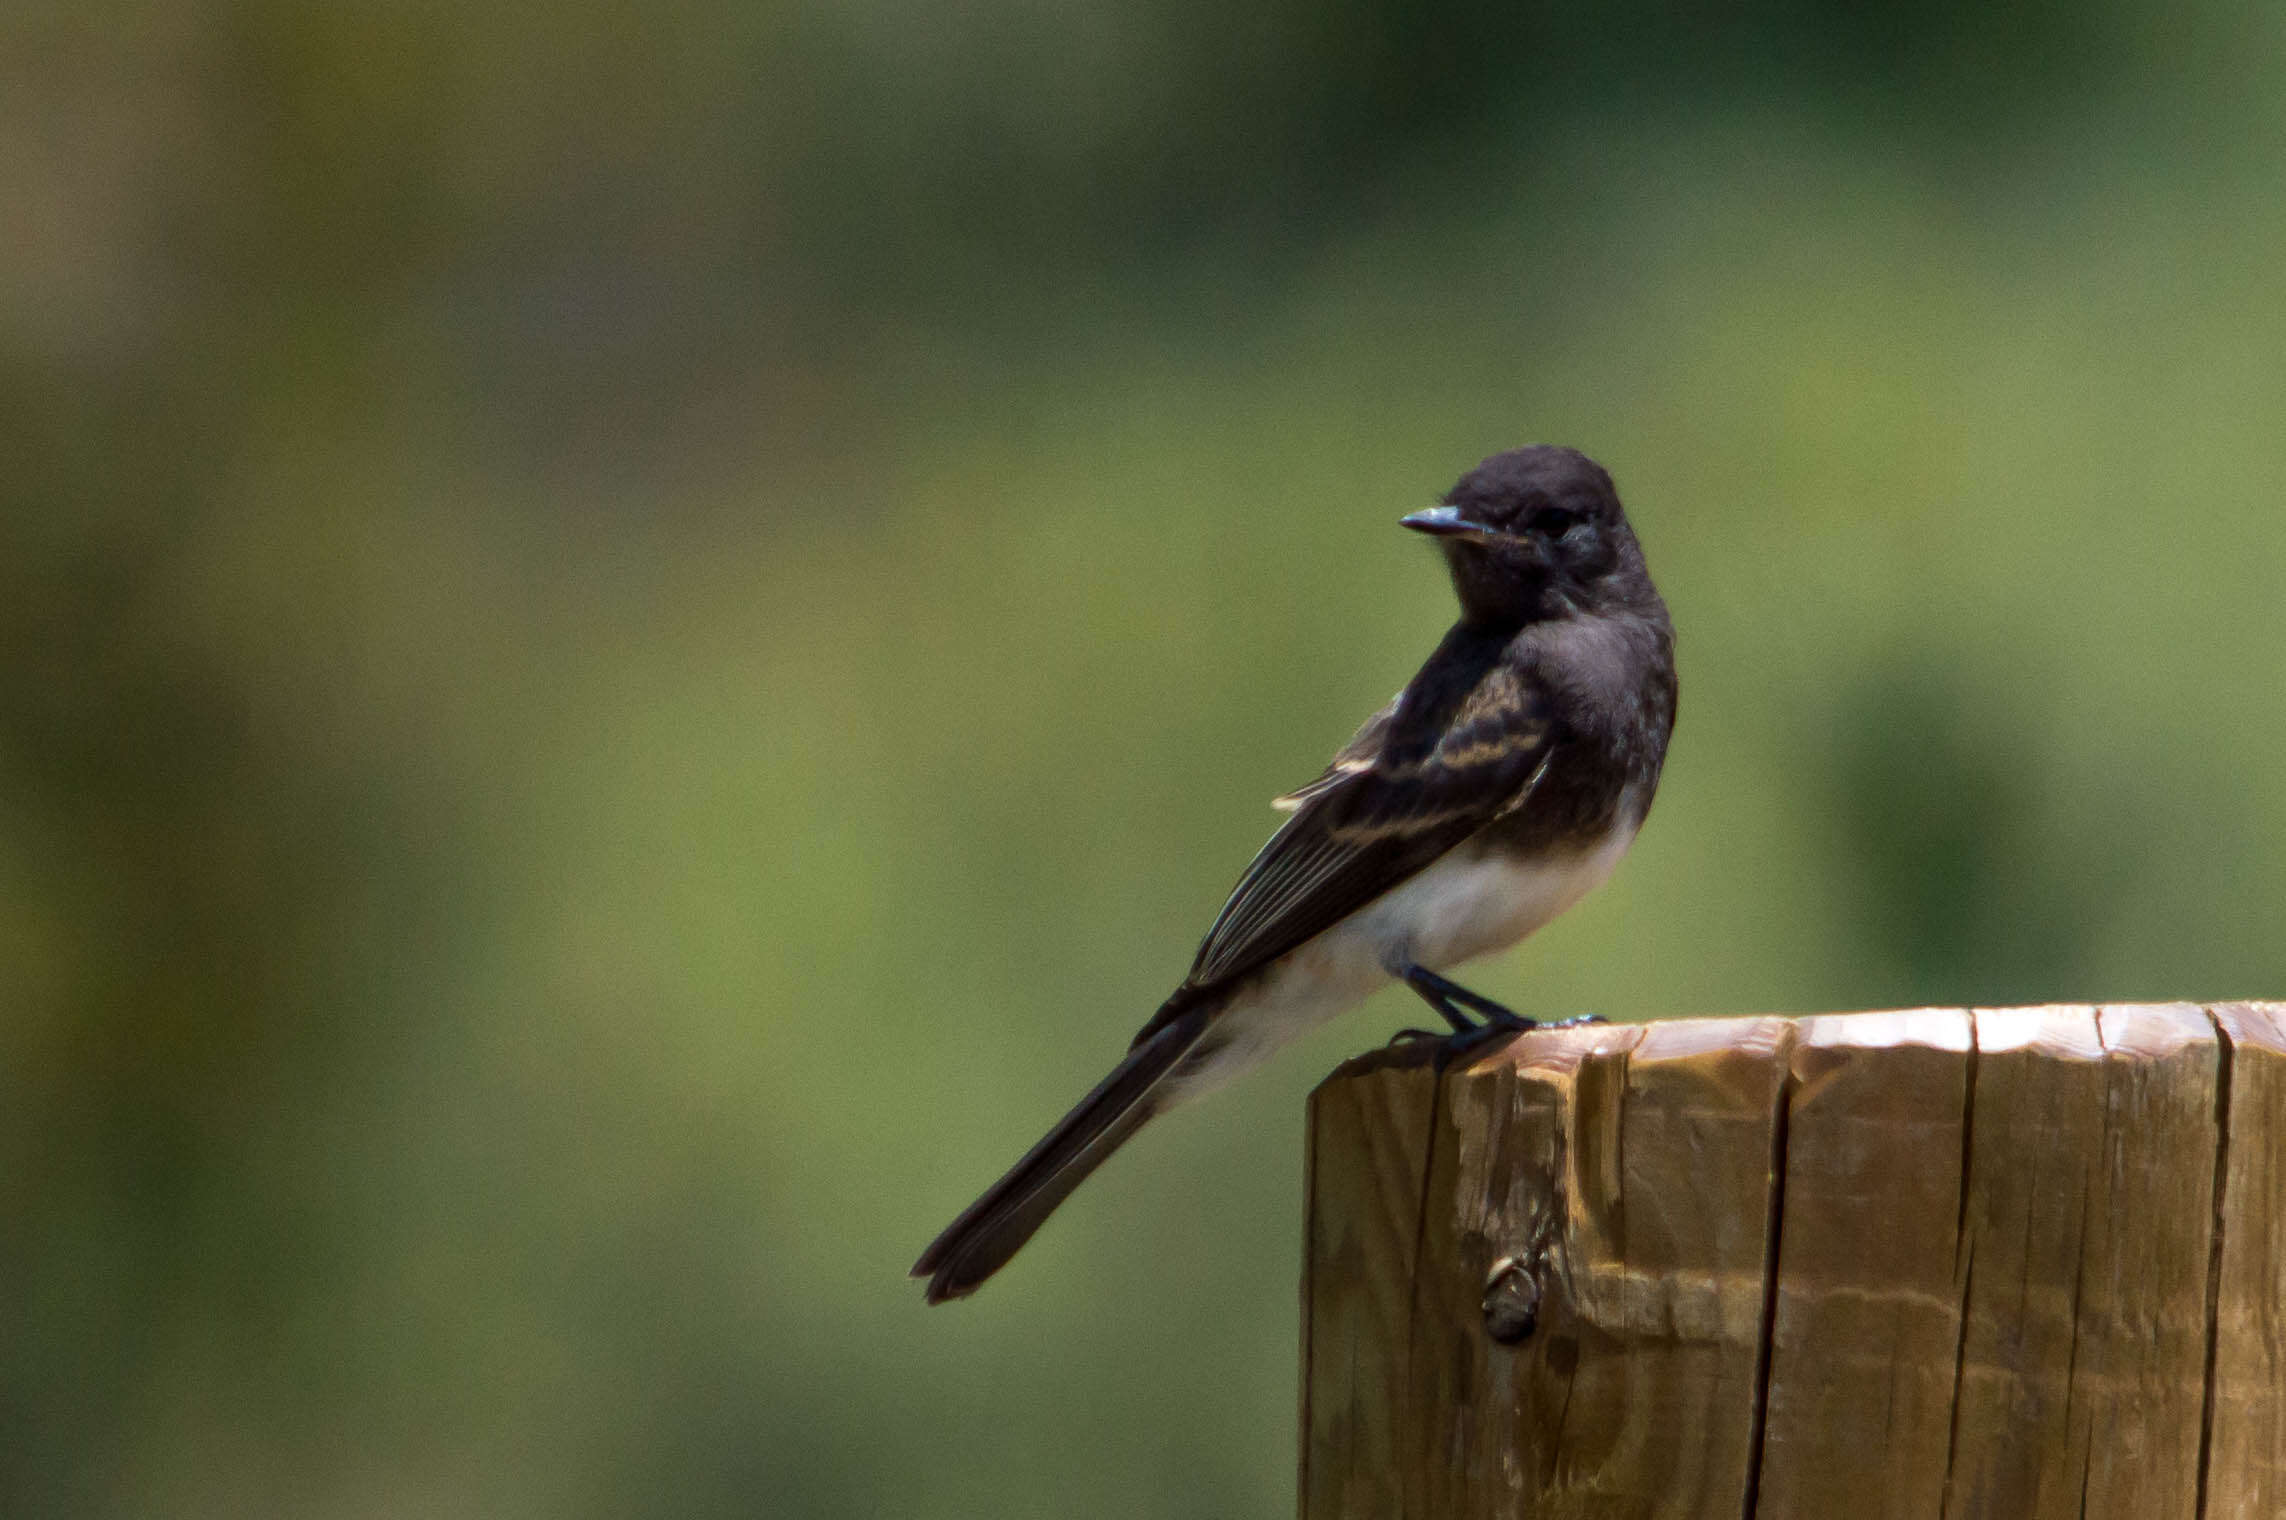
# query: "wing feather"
[[1421, 776]]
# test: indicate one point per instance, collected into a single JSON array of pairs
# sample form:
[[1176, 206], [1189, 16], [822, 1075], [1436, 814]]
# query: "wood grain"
[[2139, 1375], [2246, 1458], [1526, 1168], [1700, 1136], [2025, 1264], [1867, 1329], [2036, 1128], [1369, 1139]]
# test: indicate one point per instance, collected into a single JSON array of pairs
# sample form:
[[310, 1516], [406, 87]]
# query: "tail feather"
[[990, 1230]]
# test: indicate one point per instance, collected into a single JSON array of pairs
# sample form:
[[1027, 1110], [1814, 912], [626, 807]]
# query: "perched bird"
[[1503, 783]]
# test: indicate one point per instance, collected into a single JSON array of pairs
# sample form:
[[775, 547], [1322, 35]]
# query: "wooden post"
[[2002, 1264]]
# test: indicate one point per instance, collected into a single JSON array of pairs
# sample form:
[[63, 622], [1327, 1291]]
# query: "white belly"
[[1465, 905]]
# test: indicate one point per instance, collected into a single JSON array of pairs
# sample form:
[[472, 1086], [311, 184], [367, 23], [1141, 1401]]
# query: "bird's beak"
[[1445, 522]]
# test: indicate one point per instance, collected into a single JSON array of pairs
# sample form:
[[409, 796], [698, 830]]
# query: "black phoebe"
[[1503, 784]]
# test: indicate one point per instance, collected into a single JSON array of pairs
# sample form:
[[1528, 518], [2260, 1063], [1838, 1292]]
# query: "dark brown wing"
[[1462, 746]]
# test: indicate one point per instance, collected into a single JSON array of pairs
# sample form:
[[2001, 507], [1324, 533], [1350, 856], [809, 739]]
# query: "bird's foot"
[[1575, 1021], [1470, 1035], [1456, 1044], [1464, 1044]]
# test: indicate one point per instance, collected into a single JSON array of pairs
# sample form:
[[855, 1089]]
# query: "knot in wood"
[[1512, 1292]]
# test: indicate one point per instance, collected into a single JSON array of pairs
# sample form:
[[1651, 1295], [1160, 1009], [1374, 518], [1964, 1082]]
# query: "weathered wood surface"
[[2004, 1264], [2246, 1454]]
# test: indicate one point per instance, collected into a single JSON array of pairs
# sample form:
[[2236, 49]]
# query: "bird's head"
[[1535, 532]]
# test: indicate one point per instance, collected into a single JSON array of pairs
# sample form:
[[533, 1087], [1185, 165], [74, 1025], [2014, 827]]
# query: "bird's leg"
[[1468, 1035], [1449, 997], [1441, 995]]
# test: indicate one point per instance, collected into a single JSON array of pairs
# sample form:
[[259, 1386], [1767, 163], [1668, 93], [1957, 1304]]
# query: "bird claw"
[[1466, 1043], [1459, 1043], [1453, 1045]]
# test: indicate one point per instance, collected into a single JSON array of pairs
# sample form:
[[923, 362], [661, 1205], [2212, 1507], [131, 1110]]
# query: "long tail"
[[990, 1230]]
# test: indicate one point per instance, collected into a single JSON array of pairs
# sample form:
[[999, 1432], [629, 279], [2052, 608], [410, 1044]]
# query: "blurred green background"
[[634, 638]]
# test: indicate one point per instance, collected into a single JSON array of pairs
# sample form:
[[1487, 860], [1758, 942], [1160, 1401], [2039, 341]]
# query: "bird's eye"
[[1553, 522]]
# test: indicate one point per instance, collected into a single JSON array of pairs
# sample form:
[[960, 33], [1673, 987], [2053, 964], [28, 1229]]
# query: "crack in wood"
[[2215, 1253], [1964, 1261], [1758, 1427]]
